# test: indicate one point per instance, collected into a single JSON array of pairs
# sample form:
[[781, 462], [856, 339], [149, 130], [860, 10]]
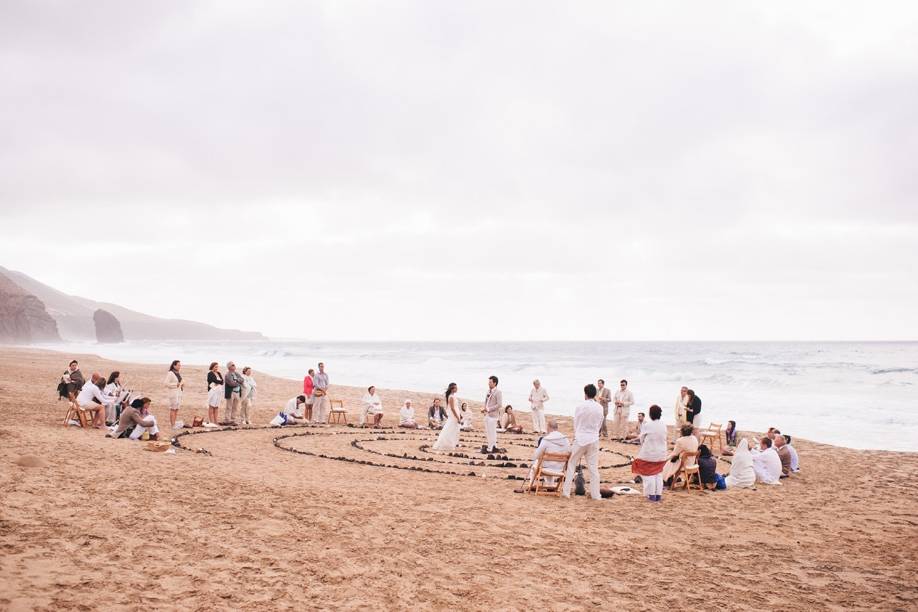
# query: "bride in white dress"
[[449, 435]]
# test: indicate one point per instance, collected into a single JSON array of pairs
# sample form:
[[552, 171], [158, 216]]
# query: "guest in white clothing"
[[91, 399], [406, 416], [466, 423], [766, 463], [174, 390], [554, 442], [634, 430], [292, 414], [681, 403], [372, 406], [742, 474], [652, 457], [794, 459], [117, 397], [248, 395], [587, 421], [537, 398], [623, 401]]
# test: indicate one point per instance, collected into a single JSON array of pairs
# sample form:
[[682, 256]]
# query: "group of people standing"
[[236, 390]]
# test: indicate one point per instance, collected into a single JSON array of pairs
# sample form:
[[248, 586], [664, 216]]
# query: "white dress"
[[449, 435]]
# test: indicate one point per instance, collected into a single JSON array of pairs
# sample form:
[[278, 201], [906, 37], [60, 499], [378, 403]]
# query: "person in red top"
[[309, 386]]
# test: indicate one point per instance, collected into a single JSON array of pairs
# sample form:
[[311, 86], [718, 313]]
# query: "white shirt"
[[554, 442], [89, 391], [291, 408], [372, 404], [625, 397], [406, 415], [587, 421], [538, 397], [653, 441], [794, 459], [767, 465]]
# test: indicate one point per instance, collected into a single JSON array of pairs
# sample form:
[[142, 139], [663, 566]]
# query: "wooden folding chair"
[[339, 414], [75, 413], [687, 472], [713, 434], [535, 485]]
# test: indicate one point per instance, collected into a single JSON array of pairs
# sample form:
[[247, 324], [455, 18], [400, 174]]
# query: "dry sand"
[[93, 523]]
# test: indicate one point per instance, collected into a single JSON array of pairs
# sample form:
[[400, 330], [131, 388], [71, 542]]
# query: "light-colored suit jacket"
[[494, 402]]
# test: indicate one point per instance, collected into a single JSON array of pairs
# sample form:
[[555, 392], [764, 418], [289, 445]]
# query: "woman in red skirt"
[[652, 456]]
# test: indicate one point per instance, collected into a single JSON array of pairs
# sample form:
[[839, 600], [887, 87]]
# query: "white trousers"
[[592, 458], [620, 422], [138, 430], [653, 485], [490, 425], [538, 420], [320, 408]]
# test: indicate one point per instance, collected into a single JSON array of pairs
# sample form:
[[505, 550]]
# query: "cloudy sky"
[[470, 170]]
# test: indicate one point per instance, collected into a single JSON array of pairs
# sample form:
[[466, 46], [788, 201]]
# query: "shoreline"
[[344, 518], [354, 393]]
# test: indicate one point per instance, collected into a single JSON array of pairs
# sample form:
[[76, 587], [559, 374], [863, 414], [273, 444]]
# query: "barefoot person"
[[249, 385], [91, 399], [449, 436], [320, 404], [604, 397], [651, 458], [508, 421], [406, 416], [214, 392], [309, 388], [623, 401], [436, 415], [174, 389], [492, 405], [587, 421], [372, 407], [135, 421], [537, 398]]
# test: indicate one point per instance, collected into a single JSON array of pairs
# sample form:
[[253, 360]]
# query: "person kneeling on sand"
[[553, 442], [135, 420], [766, 463], [292, 414], [509, 421], [634, 430], [406, 416]]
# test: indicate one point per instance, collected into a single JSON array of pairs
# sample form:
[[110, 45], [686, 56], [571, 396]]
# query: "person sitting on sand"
[[741, 473], [687, 443], [730, 433], [508, 420], [92, 399], [794, 458], [634, 430], [406, 416], [436, 415], [707, 467], [135, 420], [372, 406], [784, 455], [292, 414], [766, 463], [465, 423], [553, 442]]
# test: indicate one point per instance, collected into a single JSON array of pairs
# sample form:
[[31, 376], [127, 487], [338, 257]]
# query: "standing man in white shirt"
[[537, 398], [587, 421], [492, 405], [623, 401]]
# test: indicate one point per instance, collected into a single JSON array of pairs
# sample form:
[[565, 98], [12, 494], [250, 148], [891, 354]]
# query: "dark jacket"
[[232, 384]]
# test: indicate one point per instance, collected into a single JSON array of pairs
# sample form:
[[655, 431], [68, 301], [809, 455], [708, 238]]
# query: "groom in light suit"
[[491, 410]]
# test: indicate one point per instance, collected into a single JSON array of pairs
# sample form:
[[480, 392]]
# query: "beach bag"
[[579, 483], [721, 483]]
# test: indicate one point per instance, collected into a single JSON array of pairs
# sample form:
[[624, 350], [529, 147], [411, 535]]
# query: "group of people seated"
[[105, 399], [436, 416]]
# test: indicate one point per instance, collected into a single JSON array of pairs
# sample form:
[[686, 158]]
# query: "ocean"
[[856, 394]]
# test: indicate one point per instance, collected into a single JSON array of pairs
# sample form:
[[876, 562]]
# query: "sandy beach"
[[351, 522]]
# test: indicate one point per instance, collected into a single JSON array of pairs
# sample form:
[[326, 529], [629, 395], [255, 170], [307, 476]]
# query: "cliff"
[[108, 329], [23, 317]]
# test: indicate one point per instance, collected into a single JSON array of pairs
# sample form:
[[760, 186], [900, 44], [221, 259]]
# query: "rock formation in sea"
[[23, 317], [108, 329]]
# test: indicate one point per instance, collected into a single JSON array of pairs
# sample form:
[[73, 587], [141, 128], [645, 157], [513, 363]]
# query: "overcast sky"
[[469, 171]]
